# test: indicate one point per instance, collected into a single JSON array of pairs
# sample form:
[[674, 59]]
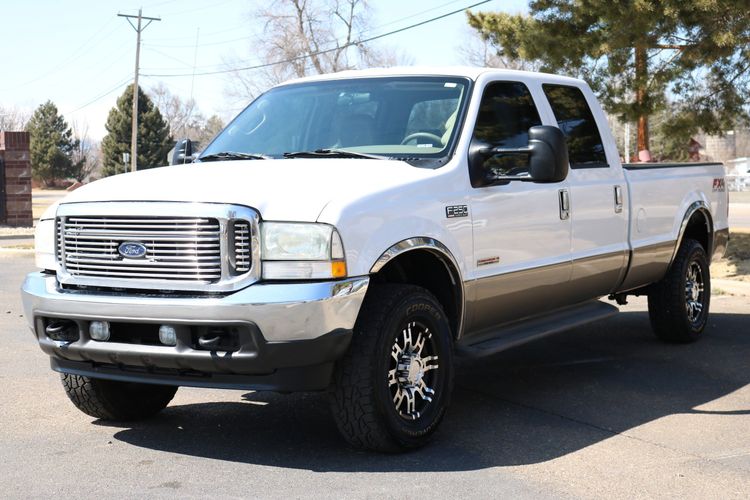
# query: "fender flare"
[[696, 207], [443, 254]]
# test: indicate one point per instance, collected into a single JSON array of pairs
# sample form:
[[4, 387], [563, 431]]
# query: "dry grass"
[[736, 263]]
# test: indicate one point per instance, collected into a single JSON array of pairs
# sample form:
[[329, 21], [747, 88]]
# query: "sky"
[[81, 55]]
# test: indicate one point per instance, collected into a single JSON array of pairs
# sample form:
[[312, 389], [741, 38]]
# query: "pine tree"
[[640, 56], [51, 145], [154, 141]]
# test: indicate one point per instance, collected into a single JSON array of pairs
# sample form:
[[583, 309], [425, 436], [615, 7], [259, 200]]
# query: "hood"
[[290, 189]]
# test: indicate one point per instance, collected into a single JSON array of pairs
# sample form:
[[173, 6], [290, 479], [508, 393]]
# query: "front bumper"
[[288, 334]]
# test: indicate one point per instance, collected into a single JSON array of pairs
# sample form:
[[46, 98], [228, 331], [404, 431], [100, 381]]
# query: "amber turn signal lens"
[[338, 269]]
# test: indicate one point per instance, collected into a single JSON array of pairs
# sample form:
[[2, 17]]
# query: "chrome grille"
[[177, 248], [58, 238], [242, 250], [189, 246]]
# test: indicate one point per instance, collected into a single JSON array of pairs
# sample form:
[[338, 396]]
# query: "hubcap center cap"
[[411, 369]]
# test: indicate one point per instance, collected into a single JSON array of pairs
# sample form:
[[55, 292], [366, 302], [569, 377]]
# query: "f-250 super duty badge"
[[452, 211]]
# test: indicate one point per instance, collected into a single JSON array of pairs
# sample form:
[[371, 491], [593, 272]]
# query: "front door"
[[522, 260]]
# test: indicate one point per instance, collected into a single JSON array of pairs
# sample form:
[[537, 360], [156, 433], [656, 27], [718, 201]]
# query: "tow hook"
[[63, 330]]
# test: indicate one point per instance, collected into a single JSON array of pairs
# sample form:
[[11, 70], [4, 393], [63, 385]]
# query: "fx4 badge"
[[719, 185], [452, 211]]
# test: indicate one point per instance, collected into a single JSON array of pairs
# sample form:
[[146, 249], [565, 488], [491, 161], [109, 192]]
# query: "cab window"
[[574, 117], [506, 113]]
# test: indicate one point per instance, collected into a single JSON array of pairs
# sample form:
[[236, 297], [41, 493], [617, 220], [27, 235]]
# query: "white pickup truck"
[[356, 233]]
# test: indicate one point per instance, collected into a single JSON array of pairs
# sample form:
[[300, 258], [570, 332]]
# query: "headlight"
[[301, 251], [44, 244]]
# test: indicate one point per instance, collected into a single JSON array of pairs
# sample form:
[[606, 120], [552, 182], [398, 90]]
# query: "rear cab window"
[[577, 122]]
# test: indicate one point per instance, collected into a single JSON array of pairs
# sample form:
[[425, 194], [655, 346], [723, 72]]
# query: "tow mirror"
[[183, 152], [547, 155]]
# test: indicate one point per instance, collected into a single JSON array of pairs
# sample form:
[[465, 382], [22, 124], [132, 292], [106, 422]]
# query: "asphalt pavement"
[[601, 411]]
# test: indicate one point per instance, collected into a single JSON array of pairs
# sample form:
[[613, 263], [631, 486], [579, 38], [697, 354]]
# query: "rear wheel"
[[113, 400], [392, 388], [678, 305]]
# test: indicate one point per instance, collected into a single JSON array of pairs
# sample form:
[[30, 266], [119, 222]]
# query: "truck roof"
[[471, 72]]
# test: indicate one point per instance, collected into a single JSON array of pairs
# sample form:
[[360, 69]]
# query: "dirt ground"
[[736, 263], [739, 197]]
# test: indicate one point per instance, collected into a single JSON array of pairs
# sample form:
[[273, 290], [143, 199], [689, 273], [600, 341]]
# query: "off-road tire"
[[361, 400], [112, 400], [667, 300]]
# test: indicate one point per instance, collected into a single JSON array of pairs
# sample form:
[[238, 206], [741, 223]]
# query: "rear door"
[[599, 204]]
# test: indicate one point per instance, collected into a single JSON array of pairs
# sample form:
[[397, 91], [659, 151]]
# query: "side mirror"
[[183, 152], [547, 152]]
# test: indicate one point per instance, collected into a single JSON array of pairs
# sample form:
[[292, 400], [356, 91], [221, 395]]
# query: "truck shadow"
[[528, 405]]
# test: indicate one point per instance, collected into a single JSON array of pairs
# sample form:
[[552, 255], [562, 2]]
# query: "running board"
[[505, 337]]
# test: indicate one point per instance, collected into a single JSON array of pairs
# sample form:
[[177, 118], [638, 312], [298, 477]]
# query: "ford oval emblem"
[[132, 250]]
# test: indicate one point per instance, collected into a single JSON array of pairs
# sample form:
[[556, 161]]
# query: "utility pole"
[[134, 134]]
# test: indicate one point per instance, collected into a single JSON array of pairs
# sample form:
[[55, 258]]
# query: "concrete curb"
[[16, 250], [16, 236]]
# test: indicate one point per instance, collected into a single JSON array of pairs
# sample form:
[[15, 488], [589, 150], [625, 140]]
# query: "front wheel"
[[391, 389], [678, 304]]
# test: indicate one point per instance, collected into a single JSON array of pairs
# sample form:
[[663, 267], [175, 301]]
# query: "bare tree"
[[181, 115], [13, 119], [310, 37], [210, 129], [184, 118], [86, 157]]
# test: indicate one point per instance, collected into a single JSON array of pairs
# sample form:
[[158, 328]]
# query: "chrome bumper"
[[286, 336], [282, 312]]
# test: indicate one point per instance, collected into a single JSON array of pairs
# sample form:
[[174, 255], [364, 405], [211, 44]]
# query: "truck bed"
[[655, 190]]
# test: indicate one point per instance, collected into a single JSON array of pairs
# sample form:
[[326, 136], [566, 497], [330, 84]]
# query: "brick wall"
[[14, 151]]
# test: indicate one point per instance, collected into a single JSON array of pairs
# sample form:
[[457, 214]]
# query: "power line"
[[168, 56], [224, 31], [72, 55], [196, 9], [102, 96], [412, 16], [206, 44], [320, 52], [258, 37]]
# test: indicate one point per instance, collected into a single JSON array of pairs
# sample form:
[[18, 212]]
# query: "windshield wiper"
[[233, 155], [333, 153]]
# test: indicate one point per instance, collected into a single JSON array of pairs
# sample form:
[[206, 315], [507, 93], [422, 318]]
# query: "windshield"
[[412, 118]]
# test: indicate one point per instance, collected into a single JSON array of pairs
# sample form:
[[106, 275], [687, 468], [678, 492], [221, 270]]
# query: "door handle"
[[618, 199], [564, 198]]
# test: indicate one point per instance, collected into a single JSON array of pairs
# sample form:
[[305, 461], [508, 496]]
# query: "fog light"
[[99, 330], [167, 335]]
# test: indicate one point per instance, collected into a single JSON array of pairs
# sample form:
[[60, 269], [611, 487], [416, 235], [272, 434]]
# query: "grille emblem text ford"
[[132, 250]]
